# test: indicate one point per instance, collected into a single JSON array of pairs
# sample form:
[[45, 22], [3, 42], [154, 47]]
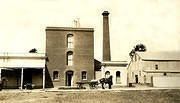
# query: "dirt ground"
[[119, 96]]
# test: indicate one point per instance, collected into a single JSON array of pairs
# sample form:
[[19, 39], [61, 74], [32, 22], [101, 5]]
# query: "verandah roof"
[[25, 60]]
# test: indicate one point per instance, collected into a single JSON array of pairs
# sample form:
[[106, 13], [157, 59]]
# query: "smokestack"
[[106, 41]]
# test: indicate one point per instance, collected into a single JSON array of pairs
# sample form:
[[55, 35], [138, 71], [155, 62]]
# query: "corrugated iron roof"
[[159, 55]]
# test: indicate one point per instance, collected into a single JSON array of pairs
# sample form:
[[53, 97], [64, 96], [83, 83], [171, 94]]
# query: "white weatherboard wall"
[[23, 63], [166, 81]]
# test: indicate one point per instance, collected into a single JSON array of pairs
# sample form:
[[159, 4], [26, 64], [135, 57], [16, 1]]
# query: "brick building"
[[70, 53]]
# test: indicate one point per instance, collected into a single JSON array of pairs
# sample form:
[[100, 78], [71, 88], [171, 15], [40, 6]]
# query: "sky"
[[154, 23]]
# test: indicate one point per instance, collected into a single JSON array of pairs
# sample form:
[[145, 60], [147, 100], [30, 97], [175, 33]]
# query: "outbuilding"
[[17, 70], [117, 69]]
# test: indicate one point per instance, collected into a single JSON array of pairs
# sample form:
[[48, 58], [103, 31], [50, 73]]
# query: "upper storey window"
[[70, 58], [70, 41], [156, 67]]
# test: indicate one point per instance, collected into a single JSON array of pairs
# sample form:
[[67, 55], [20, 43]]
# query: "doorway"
[[69, 78], [27, 76], [136, 76]]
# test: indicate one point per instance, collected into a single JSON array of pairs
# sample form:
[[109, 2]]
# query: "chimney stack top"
[[105, 13]]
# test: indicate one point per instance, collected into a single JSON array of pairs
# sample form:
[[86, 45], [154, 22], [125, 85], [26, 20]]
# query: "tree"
[[139, 48], [34, 50]]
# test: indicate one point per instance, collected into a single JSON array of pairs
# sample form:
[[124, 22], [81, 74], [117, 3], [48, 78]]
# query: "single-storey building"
[[118, 69], [19, 69]]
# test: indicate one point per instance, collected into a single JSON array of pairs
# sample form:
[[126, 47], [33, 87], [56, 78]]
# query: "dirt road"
[[119, 96]]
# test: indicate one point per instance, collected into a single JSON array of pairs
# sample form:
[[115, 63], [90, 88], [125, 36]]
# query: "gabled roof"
[[159, 56]]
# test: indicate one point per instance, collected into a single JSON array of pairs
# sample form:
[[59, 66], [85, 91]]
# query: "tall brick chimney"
[[106, 39]]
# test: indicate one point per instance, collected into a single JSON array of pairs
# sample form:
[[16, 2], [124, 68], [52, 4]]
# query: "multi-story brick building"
[[70, 53]]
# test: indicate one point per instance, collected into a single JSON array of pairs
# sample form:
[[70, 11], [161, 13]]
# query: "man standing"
[[110, 82]]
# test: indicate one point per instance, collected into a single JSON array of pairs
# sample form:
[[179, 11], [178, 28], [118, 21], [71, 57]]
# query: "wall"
[[162, 65], [56, 50], [166, 81], [135, 68], [11, 78]]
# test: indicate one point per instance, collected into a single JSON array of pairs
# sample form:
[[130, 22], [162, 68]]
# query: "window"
[[165, 74], [156, 67], [70, 41], [84, 75], [118, 77], [70, 58], [107, 74], [55, 75]]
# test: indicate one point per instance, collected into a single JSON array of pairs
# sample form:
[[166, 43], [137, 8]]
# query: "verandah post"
[[43, 78], [22, 78]]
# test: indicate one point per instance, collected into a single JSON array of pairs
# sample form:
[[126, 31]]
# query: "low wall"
[[166, 81]]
